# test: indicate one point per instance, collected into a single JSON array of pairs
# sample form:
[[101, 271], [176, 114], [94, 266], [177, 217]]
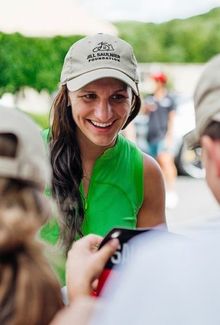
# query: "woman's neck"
[[89, 150], [89, 154], [160, 93]]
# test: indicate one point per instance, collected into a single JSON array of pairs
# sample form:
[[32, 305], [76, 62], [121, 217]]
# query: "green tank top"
[[114, 197], [115, 192]]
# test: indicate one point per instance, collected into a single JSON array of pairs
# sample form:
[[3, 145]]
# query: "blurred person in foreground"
[[160, 107], [29, 291], [173, 279]]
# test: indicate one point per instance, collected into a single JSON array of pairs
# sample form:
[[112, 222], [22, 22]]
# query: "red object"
[[160, 76], [123, 235], [105, 274]]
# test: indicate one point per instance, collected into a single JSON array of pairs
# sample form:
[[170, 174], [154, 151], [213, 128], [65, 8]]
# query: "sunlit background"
[[173, 36], [147, 11], [166, 35]]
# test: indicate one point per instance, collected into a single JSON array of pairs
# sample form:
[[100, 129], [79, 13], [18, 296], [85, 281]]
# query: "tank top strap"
[[139, 175]]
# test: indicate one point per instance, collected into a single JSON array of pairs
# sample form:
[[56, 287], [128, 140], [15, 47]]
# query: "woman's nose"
[[103, 111]]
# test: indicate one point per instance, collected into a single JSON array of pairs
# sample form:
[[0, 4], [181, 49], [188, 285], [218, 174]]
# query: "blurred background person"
[[160, 107]]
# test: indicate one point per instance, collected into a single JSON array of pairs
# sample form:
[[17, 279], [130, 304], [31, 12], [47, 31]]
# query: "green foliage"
[[195, 39], [37, 62], [41, 119], [33, 62]]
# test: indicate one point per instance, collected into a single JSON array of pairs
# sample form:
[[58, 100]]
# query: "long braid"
[[67, 171]]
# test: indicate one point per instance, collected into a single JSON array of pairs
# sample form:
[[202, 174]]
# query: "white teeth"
[[101, 125]]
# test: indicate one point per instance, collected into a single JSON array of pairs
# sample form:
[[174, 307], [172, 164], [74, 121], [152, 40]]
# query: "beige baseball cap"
[[31, 162], [96, 57], [206, 101]]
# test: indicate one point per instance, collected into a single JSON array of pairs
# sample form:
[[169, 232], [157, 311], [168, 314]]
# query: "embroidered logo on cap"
[[103, 51], [103, 46]]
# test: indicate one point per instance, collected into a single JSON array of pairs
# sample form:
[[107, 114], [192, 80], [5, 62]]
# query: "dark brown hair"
[[67, 166], [8, 144], [213, 130]]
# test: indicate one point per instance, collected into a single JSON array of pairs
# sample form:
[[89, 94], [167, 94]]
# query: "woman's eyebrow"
[[93, 91], [121, 89], [86, 91]]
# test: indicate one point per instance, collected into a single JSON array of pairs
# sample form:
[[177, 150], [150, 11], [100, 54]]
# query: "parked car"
[[188, 162]]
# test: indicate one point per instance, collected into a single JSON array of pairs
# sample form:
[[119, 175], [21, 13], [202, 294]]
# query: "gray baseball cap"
[[31, 162], [206, 101], [96, 57]]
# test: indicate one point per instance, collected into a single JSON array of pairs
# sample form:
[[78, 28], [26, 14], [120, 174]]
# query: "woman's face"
[[100, 109]]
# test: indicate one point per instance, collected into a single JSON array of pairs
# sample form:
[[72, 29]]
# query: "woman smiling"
[[100, 179]]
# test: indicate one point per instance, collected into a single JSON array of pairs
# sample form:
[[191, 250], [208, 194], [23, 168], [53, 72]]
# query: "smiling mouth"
[[101, 125]]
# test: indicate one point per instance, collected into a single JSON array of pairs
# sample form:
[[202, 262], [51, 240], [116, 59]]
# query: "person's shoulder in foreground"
[[177, 278], [171, 280]]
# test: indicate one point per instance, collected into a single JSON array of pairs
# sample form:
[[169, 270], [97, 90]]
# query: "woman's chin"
[[104, 142]]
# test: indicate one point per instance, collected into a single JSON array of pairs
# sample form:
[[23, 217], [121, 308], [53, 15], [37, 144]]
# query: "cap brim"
[[216, 117], [192, 140], [86, 78]]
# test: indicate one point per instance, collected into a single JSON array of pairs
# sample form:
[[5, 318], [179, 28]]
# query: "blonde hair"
[[29, 291]]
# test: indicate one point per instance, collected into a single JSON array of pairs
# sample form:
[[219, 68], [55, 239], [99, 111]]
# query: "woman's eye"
[[118, 97], [89, 96]]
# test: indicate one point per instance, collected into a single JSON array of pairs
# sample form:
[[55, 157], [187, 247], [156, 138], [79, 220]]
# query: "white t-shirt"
[[171, 280]]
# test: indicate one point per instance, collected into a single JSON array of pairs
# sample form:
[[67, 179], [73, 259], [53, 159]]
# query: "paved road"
[[196, 204]]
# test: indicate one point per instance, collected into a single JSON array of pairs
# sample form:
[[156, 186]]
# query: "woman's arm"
[[170, 126], [152, 212]]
